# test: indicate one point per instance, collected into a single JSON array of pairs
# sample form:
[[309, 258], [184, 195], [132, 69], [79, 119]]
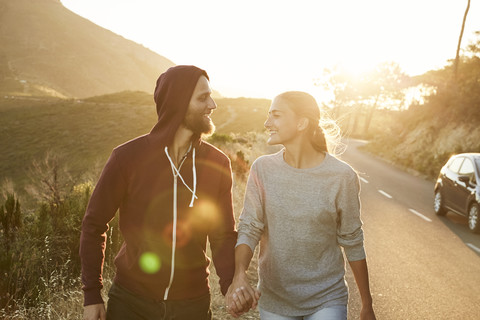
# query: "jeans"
[[328, 313], [125, 305]]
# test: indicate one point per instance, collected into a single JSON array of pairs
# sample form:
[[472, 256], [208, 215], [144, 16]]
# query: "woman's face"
[[282, 123]]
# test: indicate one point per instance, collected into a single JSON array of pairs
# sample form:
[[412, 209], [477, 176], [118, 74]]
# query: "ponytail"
[[318, 140]]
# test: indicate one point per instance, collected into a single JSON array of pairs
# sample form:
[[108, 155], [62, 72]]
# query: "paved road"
[[421, 266]]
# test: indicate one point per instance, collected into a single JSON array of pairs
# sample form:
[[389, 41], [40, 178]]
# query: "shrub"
[[218, 138]]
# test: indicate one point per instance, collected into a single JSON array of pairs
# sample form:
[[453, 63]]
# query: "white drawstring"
[[176, 172], [194, 179]]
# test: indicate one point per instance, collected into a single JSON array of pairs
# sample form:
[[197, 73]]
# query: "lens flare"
[[204, 216], [150, 262], [183, 236]]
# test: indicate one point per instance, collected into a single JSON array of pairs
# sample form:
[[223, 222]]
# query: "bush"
[[42, 246], [47, 243], [218, 138]]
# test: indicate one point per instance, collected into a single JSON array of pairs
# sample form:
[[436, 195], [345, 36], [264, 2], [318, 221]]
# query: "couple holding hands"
[[174, 191]]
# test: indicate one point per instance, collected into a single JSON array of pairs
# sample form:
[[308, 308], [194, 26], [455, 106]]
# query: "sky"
[[260, 48]]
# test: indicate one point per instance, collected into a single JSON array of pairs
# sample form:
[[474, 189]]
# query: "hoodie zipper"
[[176, 174], [174, 235]]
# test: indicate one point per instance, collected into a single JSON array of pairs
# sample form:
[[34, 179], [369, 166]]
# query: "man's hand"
[[241, 297], [94, 312]]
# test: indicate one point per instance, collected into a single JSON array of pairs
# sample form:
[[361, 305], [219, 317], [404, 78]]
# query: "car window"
[[455, 165], [477, 162], [467, 168]]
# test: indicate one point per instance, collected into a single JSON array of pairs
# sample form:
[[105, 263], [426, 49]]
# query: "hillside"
[[426, 135], [48, 50], [84, 132]]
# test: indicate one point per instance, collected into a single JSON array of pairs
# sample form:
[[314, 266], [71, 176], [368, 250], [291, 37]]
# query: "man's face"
[[200, 108]]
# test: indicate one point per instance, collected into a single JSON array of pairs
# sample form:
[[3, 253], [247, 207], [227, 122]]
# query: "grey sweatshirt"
[[302, 218]]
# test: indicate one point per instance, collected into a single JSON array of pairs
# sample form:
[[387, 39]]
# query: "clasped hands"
[[241, 297]]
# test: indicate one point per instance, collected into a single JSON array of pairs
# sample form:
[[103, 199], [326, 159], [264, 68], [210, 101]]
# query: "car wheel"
[[473, 218], [438, 204]]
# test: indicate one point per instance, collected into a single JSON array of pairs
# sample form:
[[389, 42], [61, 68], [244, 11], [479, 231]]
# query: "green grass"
[[80, 133], [84, 132]]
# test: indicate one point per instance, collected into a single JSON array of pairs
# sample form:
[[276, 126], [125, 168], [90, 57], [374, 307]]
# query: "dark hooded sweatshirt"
[[165, 216]]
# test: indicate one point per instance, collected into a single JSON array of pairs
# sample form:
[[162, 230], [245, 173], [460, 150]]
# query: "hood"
[[172, 96]]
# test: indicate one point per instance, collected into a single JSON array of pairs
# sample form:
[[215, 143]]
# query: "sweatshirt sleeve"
[[101, 209], [349, 227], [251, 225], [222, 239]]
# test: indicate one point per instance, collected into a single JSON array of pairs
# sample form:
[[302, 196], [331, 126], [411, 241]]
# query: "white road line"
[[420, 215], [473, 247], [385, 194], [363, 179]]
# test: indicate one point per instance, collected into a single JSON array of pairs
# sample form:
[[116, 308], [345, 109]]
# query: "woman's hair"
[[324, 133]]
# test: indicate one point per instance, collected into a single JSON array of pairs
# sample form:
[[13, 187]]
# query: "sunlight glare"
[[261, 48]]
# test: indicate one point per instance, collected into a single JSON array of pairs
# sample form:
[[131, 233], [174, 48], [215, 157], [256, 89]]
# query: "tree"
[[343, 88], [474, 47], [457, 57], [341, 84], [51, 182], [364, 93], [383, 86]]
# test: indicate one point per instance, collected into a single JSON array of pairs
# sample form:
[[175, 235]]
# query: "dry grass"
[[253, 148], [62, 299], [60, 302], [218, 300]]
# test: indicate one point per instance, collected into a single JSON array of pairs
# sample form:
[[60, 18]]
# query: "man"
[[172, 190]]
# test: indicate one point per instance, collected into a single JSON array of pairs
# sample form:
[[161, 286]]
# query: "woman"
[[302, 205]]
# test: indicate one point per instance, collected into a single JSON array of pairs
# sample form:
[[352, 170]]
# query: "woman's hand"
[[241, 297], [94, 312]]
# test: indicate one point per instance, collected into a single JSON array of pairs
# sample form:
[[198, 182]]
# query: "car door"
[[464, 190], [449, 180]]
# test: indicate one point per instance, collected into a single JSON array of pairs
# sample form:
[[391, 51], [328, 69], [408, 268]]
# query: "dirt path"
[[231, 118]]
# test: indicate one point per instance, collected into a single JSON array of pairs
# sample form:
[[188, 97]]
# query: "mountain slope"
[[48, 50]]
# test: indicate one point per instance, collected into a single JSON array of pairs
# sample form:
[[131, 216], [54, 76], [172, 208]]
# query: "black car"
[[457, 188]]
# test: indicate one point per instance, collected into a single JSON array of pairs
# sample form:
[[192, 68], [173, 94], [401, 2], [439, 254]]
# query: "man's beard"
[[198, 125]]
